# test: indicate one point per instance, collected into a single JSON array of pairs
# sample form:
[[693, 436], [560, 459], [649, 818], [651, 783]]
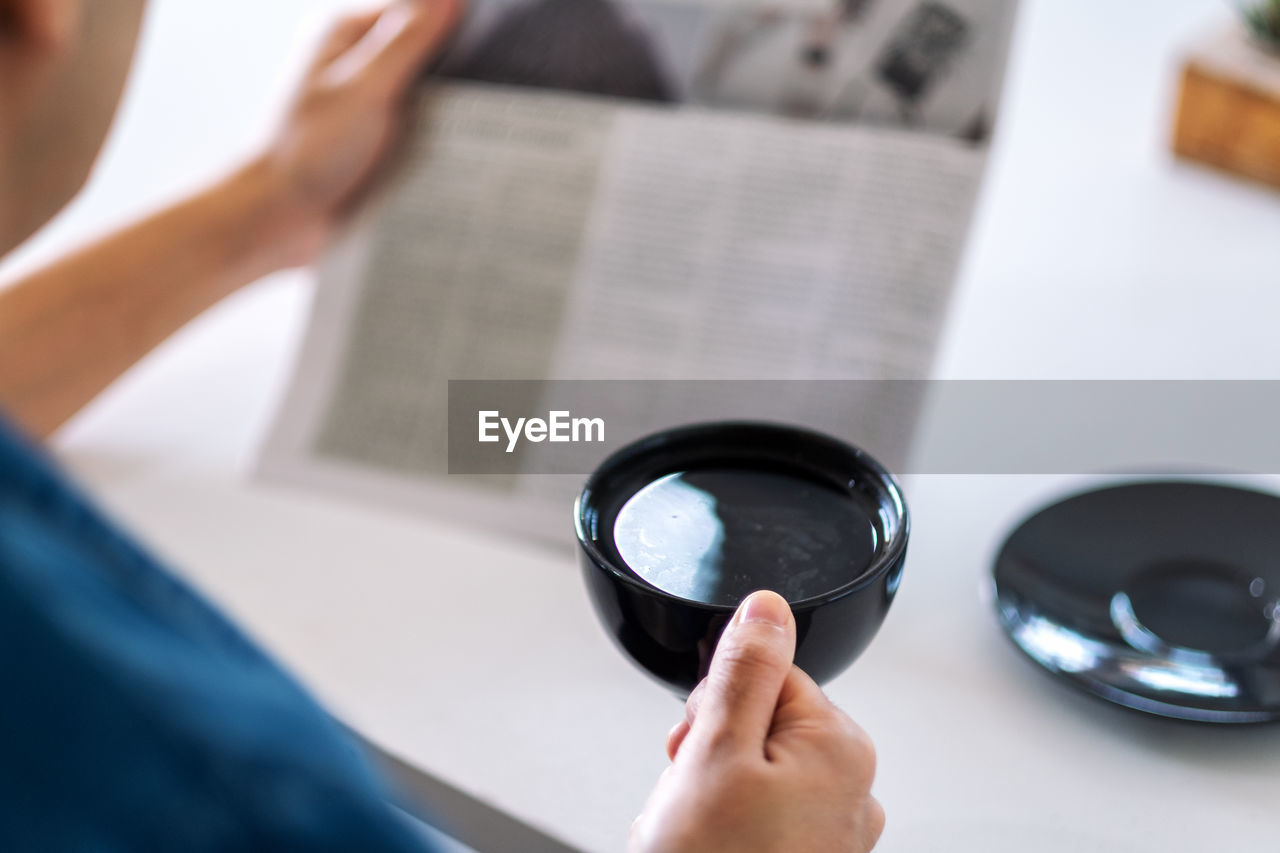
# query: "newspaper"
[[597, 189]]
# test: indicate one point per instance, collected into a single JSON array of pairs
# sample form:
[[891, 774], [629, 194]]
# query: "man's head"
[[63, 65]]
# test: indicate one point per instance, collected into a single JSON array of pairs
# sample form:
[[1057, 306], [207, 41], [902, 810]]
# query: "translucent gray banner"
[[912, 426]]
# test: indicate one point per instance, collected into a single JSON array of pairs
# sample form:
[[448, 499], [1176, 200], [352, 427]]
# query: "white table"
[[1094, 256]]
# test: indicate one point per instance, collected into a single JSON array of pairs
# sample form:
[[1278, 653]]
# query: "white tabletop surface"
[[1095, 255]]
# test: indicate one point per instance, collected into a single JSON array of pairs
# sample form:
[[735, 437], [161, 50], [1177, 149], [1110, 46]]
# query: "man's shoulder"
[[131, 700]]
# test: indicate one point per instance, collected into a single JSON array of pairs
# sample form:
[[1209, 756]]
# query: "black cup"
[[673, 638]]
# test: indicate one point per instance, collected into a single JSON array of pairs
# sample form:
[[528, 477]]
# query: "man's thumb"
[[750, 665]]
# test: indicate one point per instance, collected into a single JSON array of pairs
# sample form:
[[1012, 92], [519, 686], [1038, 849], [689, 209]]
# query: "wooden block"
[[1229, 109]]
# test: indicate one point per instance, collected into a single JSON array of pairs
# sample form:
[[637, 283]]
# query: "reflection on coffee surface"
[[717, 534]]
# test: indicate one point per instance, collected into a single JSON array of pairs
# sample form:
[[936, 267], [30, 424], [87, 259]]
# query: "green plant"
[[1263, 19]]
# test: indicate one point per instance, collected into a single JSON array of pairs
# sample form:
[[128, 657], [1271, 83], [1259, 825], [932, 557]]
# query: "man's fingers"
[[695, 699], [675, 737], [750, 666], [680, 730], [345, 34], [800, 699], [872, 822], [805, 716], [404, 39], [396, 44]]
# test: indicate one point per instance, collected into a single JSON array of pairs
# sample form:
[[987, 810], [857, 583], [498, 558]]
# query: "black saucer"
[[1160, 596]]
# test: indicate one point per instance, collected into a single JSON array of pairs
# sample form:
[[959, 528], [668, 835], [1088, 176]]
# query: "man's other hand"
[[762, 760], [345, 117]]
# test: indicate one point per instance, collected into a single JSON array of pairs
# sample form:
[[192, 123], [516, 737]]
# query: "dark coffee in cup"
[[677, 528], [715, 535]]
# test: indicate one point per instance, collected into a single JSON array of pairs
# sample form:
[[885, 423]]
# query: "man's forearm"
[[69, 330]]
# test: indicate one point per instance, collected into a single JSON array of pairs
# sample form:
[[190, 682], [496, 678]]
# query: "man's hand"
[[344, 118], [762, 760]]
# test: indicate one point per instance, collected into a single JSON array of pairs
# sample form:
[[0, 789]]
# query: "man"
[[134, 716]]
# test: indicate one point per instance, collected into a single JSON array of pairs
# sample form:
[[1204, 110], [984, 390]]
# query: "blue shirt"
[[135, 717]]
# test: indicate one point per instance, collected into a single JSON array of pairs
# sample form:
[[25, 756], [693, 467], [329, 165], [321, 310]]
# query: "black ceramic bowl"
[[671, 637]]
